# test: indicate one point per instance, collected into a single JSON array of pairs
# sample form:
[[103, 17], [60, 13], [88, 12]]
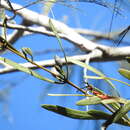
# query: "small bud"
[[57, 74], [53, 69], [27, 51], [58, 61]]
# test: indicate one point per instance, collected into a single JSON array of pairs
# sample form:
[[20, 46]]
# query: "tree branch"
[[17, 33], [38, 19], [104, 53], [45, 31], [97, 56]]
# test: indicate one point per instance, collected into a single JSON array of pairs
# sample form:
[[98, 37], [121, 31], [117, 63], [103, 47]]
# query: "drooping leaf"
[[24, 69], [83, 115], [94, 70], [60, 43], [82, 64], [128, 59], [125, 73], [99, 78]]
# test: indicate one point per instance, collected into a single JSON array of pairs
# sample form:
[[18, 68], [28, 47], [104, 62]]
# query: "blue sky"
[[28, 93]]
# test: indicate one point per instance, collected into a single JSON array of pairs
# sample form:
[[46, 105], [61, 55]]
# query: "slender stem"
[[19, 54], [75, 86]]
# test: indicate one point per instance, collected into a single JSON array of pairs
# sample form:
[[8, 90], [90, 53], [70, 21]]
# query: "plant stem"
[[75, 86]]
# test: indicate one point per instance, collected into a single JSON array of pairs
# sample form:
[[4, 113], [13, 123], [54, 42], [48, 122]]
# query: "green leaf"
[[118, 115], [24, 69], [94, 77], [83, 115], [99, 78], [114, 100], [60, 43], [125, 73], [66, 95], [96, 100], [94, 70], [87, 67], [121, 112], [89, 101], [76, 114]]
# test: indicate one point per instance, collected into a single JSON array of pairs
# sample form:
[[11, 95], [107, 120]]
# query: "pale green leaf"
[[24, 69], [82, 64], [67, 95], [96, 100], [97, 77], [125, 73], [118, 115], [93, 77], [89, 101], [94, 70]]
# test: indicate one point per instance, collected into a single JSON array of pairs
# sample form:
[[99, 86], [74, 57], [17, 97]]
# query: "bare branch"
[[104, 53], [47, 32], [97, 56], [35, 18], [17, 33], [41, 30]]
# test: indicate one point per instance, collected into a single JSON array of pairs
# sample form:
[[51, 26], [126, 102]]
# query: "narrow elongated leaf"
[[93, 77], [67, 95], [99, 78], [125, 73], [83, 115], [119, 114], [60, 43], [24, 69], [122, 111], [94, 70], [89, 101], [76, 114], [87, 67], [114, 100], [96, 100]]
